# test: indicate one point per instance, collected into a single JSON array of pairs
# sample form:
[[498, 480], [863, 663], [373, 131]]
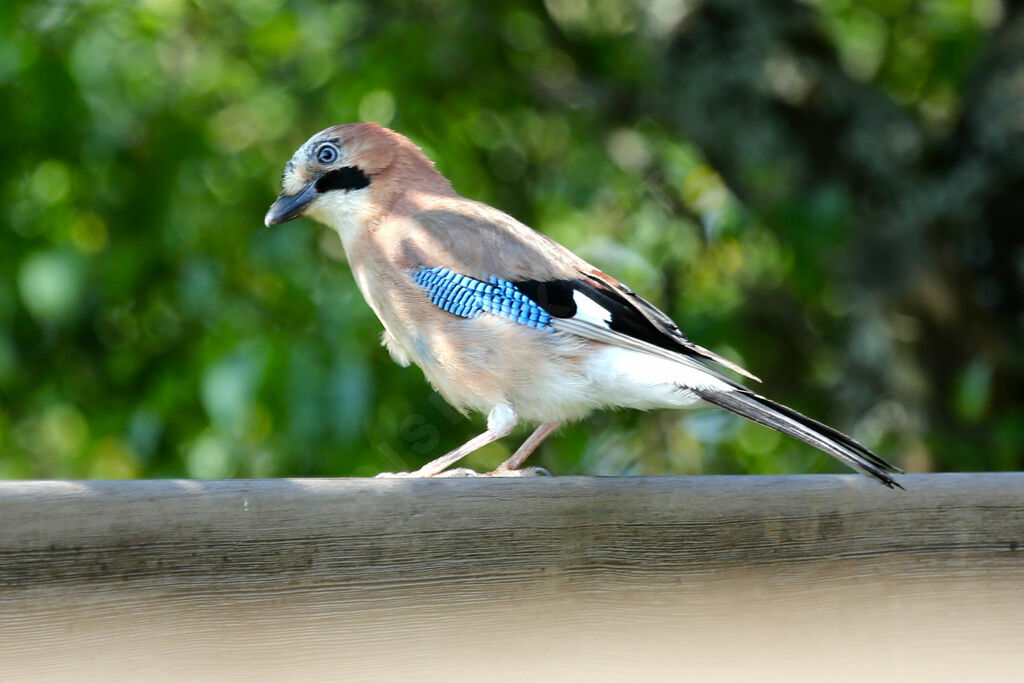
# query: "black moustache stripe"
[[348, 178]]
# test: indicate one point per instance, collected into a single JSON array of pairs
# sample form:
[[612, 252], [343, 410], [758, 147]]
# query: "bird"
[[502, 319]]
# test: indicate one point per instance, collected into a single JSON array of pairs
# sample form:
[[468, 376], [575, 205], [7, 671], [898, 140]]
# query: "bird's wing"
[[481, 242]]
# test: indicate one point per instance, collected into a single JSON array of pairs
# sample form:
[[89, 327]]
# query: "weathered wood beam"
[[721, 578]]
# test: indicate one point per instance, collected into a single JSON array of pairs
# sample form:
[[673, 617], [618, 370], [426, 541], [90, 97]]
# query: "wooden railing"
[[668, 578]]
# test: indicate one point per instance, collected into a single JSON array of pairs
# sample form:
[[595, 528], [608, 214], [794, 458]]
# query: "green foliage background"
[[150, 326]]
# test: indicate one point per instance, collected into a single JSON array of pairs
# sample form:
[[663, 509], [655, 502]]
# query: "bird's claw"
[[459, 472], [419, 474], [523, 472]]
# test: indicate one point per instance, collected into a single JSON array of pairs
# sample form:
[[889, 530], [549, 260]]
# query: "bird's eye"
[[326, 153]]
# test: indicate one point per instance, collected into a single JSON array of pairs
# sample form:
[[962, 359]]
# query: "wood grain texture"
[[667, 578]]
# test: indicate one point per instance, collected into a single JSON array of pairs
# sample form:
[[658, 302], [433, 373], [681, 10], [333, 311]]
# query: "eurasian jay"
[[502, 319]]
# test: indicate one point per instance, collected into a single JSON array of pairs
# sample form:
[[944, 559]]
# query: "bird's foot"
[[458, 472], [522, 472], [466, 472], [420, 474]]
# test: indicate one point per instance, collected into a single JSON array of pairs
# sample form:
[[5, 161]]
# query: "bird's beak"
[[290, 206]]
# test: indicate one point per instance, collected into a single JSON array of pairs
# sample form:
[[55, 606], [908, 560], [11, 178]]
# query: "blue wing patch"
[[468, 297]]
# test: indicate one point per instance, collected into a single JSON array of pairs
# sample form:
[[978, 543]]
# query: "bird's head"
[[344, 172]]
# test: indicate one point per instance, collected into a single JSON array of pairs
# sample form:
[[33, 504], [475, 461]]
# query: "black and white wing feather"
[[601, 308]]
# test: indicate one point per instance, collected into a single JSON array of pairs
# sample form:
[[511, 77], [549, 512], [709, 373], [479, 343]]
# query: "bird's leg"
[[510, 468], [500, 422]]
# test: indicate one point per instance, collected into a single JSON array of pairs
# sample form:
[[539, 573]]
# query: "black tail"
[[786, 420]]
